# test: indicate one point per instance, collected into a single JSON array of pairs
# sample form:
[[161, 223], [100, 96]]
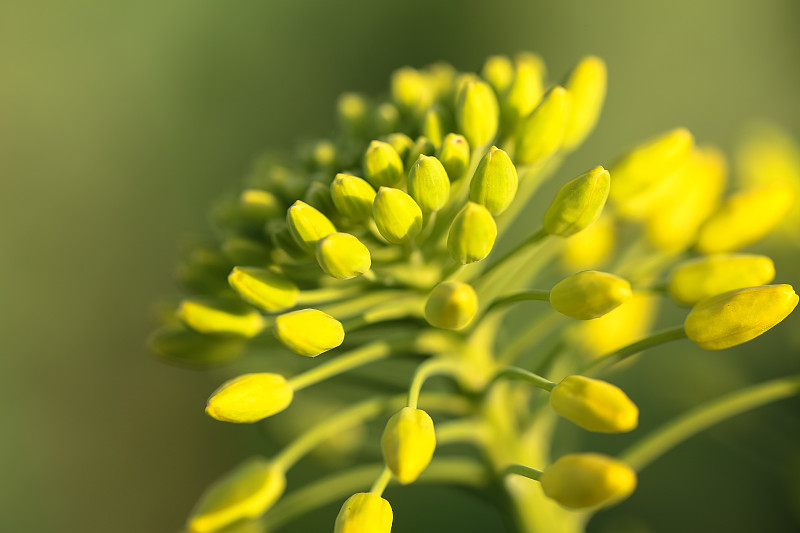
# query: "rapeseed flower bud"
[[578, 203], [386, 118], [499, 72], [591, 247], [495, 182], [737, 316], [353, 197], [422, 146], [343, 256], [451, 305], [410, 90], [401, 143], [353, 113], [227, 317], [408, 443], [472, 234], [454, 155], [258, 206], [587, 85], [264, 288], [477, 113], [583, 480], [382, 165], [428, 183], [307, 225], [309, 332], [250, 398], [364, 512], [540, 135], [525, 91], [284, 242], [246, 492], [436, 123], [594, 405], [696, 279], [397, 215], [318, 196], [589, 294]]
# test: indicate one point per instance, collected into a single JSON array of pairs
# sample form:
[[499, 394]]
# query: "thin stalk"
[[623, 353], [362, 355], [383, 480], [424, 371], [522, 470], [540, 295], [524, 375]]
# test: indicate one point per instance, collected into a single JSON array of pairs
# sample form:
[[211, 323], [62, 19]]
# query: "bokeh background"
[[120, 122]]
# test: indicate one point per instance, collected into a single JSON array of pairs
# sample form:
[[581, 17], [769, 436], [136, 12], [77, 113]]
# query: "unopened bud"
[[472, 234], [524, 93], [454, 155], [410, 90], [353, 197], [700, 278], [318, 196], [309, 332], [250, 398], [258, 206], [499, 72], [397, 215], [343, 256], [428, 183], [451, 305], [495, 182], [590, 294], [353, 111], [307, 225], [227, 317], [422, 146], [594, 405], [436, 123], [401, 143], [408, 443], [583, 480], [578, 203], [540, 135], [263, 288], [382, 165], [587, 85], [364, 512], [477, 113]]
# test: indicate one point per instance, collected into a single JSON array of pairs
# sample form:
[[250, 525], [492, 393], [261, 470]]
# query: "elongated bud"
[[451, 305], [422, 146], [227, 317], [454, 155], [245, 492], [309, 332], [541, 134], [495, 182], [578, 203], [587, 85], [697, 279], [499, 72], [524, 93], [590, 248], [401, 143], [583, 480], [472, 234], [364, 512], [343, 256], [353, 197], [408, 443], [263, 288], [428, 183], [594, 405], [737, 316], [397, 215], [410, 90], [382, 165], [436, 123], [308, 225], [590, 294], [250, 398], [477, 114], [186, 346]]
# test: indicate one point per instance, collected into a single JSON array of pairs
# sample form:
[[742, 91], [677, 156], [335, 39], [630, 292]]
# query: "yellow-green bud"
[[499, 72], [258, 206], [282, 239], [541, 134], [397, 215], [594, 405], [181, 345], [401, 143], [495, 181], [353, 110], [343, 256], [428, 183], [250, 398], [524, 93], [410, 90], [472, 234], [309, 332], [246, 492], [696, 279], [386, 118], [477, 113], [227, 317], [589, 294], [451, 305], [738, 316], [318, 196], [263, 288], [408, 443], [364, 512], [578, 203], [353, 197], [422, 146], [308, 225], [382, 165], [587, 85], [582, 480], [454, 155], [436, 123]]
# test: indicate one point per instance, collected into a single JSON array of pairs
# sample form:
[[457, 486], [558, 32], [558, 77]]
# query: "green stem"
[[537, 237], [424, 371], [352, 359], [380, 484], [393, 310], [616, 356], [522, 470], [540, 295], [524, 375], [316, 296]]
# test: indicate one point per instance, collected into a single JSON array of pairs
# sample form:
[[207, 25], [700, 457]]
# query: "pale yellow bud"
[[408, 443], [364, 512], [696, 279], [584, 480], [594, 405], [250, 398], [309, 332]]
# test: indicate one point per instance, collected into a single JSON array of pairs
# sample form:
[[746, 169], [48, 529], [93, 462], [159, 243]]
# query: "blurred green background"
[[120, 122]]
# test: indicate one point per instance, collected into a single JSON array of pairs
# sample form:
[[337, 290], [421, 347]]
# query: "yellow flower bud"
[[626, 324], [578, 203], [364, 512], [499, 72], [386, 118], [422, 146], [352, 197], [495, 182], [307, 225], [228, 317], [352, 110], [436, 123], [540, 135], [186, 346], [582, 480], [696, 279], [591, 247], [258, 206], [401, 143], [246, 492], [472, 234], [737, 316], [343, 256], [428, 183], [590, 294], [408, 443], [284, 242], [525, 91], [410, 90], [250, 398], [397, 215], [382, 165], [309, 332], [587, 85], [451, 305], [263, 288], [594, 405], [477, 113], [454, 155]]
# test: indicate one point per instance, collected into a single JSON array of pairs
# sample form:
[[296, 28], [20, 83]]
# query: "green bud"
[[499, 72], [436, 123], [227, 317], [587, 85], [408, 443], [410, 90], [700, 278], [589, 294], [382, 165], [472, 234], [353, 197], [250, 398], [454, 155], [477, 114], [353, 111], [307, 225], [258, 206], [494, 184], [451, 305], [244, 251], [309, 332], [422, 146], [263, 288], [318, 196], [343, 256], [184, 346], [428, 183], [397, 215], [386, 118], [401, 143], [525, 92], [578, 203], [541, 134]]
